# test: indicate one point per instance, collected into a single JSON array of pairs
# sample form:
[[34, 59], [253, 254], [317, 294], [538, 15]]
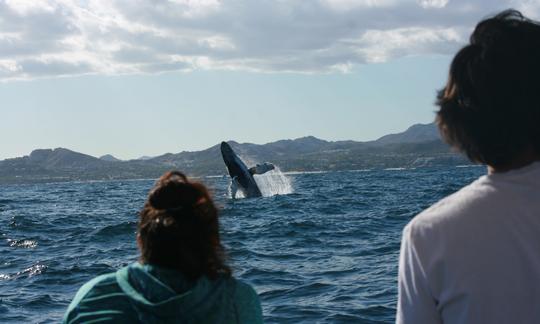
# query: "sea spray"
[[271, 183], [239, 193], [274, 183]]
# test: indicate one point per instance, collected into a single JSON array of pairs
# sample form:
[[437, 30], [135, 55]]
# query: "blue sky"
[[149, 77]]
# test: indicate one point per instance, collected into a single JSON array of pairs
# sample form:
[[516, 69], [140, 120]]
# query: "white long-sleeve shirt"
[[474, 257]]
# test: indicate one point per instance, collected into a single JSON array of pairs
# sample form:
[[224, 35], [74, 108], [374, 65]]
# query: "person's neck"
[[519, 162]]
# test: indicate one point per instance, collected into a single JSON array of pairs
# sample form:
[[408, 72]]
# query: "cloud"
[[45, 38], [433, 3], [379, 46]]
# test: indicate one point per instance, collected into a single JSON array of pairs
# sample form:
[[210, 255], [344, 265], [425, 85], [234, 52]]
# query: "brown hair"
[[179, 229], [490, 107]]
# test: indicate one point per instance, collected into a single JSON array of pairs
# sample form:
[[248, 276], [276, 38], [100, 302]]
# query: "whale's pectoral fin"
[[261, 168]]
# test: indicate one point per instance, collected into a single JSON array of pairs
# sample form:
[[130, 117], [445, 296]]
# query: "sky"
[[146, 77]]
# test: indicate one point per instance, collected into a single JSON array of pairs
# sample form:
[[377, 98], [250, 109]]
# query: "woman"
[[181, 276]]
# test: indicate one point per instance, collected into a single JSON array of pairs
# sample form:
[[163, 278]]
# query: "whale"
[[241, 175]]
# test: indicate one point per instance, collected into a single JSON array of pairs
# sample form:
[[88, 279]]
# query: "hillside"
[[109, 157], [415, 134], [418, 146]]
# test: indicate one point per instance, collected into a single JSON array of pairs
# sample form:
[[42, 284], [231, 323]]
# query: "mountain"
[[415, 134], [60, 158], [60, 164], [418, 146], [109, 158]]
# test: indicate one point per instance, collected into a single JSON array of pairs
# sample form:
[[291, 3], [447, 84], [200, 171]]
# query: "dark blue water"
[[325, 253]]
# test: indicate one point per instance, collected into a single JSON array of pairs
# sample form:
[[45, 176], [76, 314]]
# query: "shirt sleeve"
[[416, 304]]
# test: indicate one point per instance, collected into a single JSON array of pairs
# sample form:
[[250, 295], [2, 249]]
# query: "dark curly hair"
[[490, 107], [179, 229]]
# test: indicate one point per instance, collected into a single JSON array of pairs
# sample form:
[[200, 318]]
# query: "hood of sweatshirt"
[[165, 295]]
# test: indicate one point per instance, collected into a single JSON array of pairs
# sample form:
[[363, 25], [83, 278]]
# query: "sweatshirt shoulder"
[[92, 291], [247, 303], [99, 284], [244, 290]]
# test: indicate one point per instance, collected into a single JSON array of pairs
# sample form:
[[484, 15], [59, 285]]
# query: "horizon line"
[[207, 148]]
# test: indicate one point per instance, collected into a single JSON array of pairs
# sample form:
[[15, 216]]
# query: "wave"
[[34, 270], [28, 244], [325, 253], [128, 227]]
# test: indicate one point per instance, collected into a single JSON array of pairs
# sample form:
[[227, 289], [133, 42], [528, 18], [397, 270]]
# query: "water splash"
[[274, 183], [271, 183], [29, 244], [239, 193]]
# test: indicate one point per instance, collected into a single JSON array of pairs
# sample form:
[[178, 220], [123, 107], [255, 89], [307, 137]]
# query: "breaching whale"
[[242, 177]]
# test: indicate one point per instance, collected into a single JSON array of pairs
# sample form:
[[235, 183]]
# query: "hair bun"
[[174, 194]]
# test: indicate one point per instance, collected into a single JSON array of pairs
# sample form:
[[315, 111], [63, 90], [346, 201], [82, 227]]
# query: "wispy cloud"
[[42, 38]]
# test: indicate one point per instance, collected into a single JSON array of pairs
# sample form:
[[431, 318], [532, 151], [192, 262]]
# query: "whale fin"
[[261, 168]]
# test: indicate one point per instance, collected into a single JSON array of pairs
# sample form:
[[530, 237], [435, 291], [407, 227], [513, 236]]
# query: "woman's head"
[[178, 228], [490, 107]]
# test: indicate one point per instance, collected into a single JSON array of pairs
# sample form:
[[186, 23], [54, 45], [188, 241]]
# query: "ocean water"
[[323, 251]]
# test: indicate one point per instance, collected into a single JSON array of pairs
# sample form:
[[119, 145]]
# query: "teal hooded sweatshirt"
[[150, 294]]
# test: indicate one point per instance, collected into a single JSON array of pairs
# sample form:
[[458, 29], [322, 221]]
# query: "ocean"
[[318, 248]]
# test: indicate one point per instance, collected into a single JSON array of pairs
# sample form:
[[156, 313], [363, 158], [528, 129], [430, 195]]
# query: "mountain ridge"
[[419, 145], [109, 157]]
